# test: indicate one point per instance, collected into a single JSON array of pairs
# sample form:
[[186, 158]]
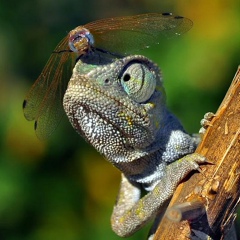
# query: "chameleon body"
[[119, 106]]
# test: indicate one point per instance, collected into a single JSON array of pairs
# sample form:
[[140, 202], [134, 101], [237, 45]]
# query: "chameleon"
[[118, 104]]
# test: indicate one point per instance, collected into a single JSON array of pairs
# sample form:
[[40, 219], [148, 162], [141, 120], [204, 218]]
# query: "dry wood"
[[218, 185]]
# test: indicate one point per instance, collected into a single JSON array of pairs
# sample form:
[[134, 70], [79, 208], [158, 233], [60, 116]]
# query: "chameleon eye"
[[138, 81]]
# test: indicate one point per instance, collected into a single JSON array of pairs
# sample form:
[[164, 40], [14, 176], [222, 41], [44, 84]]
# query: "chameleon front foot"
[[129, 216], [179, 169]]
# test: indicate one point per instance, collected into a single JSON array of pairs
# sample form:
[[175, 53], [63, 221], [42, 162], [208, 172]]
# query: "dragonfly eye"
[[77, 38], [76, 42], [81, 40]]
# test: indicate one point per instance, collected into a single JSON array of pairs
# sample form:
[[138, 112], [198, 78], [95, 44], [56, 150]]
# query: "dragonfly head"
[[80, 40]]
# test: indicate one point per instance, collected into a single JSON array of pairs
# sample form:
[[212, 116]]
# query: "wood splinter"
[[190, 211]]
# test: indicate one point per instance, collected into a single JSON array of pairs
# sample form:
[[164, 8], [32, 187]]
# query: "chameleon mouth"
[[106, 120], [102, 133]]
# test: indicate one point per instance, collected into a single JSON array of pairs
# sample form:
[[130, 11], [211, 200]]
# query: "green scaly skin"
[[118, 106]]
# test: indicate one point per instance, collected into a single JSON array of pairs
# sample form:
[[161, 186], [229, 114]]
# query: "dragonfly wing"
[[128, 34], [43, 103]]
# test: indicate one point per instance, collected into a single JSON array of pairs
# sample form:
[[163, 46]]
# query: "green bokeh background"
[[62, 188]]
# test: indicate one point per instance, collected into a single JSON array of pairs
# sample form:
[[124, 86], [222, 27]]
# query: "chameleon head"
[[80, 40], [116, 104]]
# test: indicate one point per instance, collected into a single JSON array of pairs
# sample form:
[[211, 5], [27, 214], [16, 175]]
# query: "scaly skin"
[[118, 106]]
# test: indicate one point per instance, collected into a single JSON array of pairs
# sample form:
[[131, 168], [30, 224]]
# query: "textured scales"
[[118, 106]]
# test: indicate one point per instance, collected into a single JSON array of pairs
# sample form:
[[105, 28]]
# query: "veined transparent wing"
[[43, 102], [131, 33]]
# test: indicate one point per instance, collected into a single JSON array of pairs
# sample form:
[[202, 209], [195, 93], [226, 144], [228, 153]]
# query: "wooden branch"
[[216, 190]]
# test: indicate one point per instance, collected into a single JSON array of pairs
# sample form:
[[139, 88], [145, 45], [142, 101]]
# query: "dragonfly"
[[116, 36]]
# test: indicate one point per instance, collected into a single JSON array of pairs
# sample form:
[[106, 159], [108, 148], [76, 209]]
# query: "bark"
[[211, 196]]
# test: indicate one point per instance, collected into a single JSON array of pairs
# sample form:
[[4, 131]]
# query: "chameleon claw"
[[206, 122]]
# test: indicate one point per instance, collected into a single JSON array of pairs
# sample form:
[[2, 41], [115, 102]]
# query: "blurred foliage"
[[62, 188]]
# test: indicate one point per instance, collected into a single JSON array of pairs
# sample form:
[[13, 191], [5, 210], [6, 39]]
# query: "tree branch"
[[214, 193]]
